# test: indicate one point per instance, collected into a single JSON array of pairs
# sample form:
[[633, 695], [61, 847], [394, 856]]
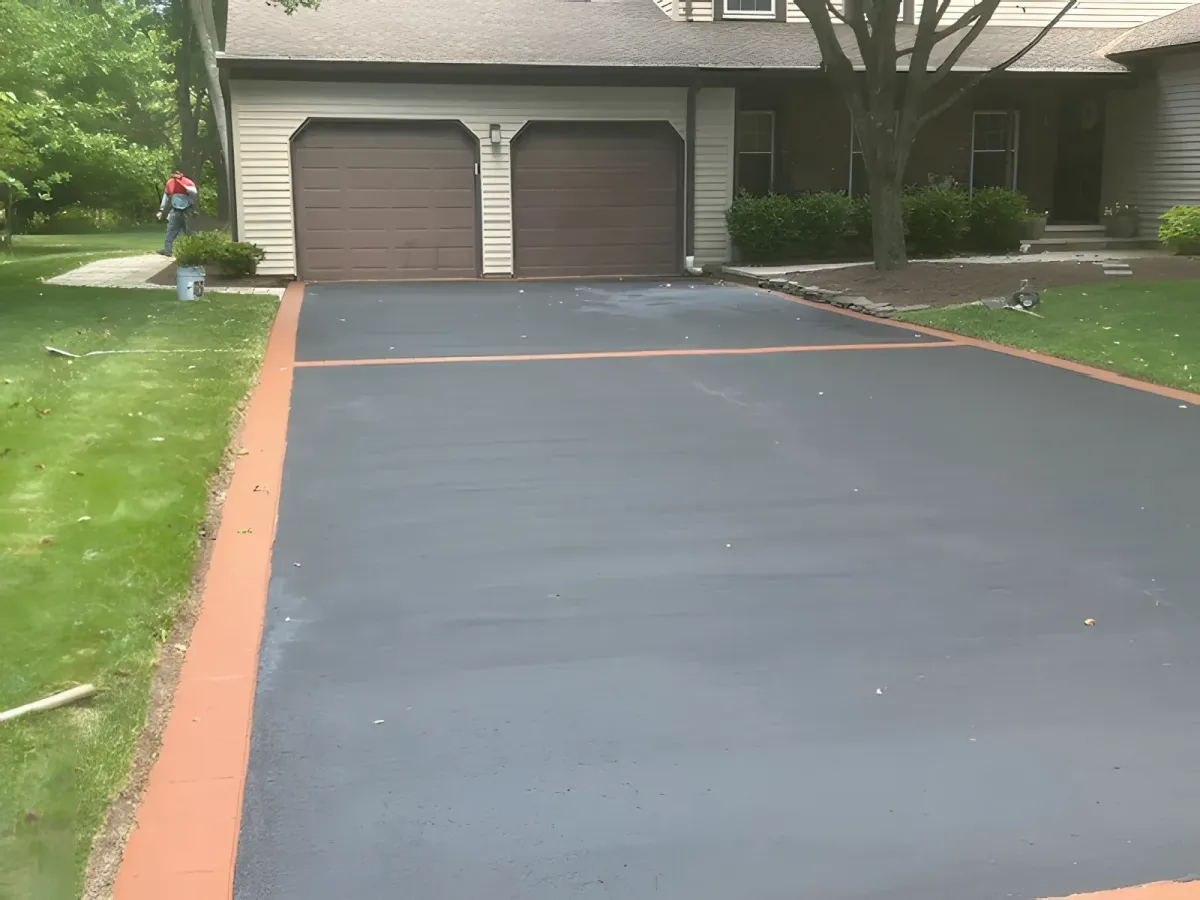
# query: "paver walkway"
[[136, 272]]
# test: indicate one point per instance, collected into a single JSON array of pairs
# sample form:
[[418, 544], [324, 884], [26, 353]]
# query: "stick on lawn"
[[53, 702]]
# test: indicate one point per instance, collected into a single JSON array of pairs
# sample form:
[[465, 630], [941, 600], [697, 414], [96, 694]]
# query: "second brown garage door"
[[597, 199], [381, 201]]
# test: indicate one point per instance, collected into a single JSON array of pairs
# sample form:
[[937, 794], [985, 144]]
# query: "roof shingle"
[[1176, 30], [600, 33]]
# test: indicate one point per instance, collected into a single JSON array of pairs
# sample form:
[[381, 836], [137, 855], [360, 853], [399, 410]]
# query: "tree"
[[86, 102], [890, 103]]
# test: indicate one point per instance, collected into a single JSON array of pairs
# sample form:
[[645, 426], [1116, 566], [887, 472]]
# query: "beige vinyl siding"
[[667, 6], [1087, 14], [266, 114], [715, 116], [702, 10], [1152, 150]]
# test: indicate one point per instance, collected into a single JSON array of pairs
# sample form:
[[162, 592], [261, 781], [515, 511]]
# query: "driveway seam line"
[[615, 354], [962, 340], [209, 725]]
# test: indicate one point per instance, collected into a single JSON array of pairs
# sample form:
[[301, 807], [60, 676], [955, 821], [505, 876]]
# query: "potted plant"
[[1035, 225], [1121, 220]]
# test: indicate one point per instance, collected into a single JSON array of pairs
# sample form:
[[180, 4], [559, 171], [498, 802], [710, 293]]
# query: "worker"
[[180, 200]]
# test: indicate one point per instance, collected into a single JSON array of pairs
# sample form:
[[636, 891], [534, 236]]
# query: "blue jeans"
[[177, 224]]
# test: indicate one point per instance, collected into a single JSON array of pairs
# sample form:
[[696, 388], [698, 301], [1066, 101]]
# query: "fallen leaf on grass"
[[47, 540], [43, 412], [32, 816], [38, 466]]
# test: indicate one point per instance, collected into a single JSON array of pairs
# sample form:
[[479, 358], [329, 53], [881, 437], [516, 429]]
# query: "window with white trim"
[[755, 141], [995, 136], [750, 9]]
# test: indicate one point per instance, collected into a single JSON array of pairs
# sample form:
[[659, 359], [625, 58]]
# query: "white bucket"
[[189, 280]]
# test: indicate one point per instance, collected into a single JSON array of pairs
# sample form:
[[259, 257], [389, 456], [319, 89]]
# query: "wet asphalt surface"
[[700, 628]]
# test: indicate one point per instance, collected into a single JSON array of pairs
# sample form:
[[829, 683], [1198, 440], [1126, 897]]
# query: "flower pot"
[[1035, 228], [189, 282], [1125, 226]]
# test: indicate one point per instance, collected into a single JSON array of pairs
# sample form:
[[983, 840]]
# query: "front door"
[[1079, 168]]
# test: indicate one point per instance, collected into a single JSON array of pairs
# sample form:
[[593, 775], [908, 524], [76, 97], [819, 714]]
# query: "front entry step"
[[1085, 243]]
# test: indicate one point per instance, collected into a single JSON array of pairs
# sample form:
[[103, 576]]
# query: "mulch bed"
[[946, 284], [167, 276]]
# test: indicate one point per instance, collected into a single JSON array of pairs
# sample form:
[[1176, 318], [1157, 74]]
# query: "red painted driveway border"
[[184, 843]]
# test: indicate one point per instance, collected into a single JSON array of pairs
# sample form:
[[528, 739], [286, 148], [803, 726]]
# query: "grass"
[[1147, 330], [91, 599]]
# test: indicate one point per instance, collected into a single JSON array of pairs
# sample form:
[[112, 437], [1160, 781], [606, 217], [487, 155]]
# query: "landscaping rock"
[[914, 307]]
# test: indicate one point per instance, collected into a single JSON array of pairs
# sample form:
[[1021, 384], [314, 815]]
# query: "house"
[[396, 139]]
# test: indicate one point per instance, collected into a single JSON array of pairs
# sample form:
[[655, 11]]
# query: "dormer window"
[[749, 9]]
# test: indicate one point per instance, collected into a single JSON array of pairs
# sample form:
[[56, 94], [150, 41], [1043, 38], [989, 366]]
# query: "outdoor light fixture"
[[494, 134]]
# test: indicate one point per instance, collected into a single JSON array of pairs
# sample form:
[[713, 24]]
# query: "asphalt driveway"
[[802, 624]]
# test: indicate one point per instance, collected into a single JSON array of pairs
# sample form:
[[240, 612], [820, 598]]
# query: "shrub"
[[997, 220], [937, 218], [1180, 229], [762, 228], [861, 225], [822, 224], [77, 220], [215, 249], [241, 258], [778, 227]]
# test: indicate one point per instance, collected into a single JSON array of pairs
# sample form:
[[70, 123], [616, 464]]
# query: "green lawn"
[[103, 470], [1149, 330]]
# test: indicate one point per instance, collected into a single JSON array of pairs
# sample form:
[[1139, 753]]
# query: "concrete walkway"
[[1081, 257], [136, 272]]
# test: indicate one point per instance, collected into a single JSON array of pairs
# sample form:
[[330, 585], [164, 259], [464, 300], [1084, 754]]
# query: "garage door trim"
[[680, 179], [472, 140]]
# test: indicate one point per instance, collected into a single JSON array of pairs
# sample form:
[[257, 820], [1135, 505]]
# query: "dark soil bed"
[[946, 284], [167, 276]]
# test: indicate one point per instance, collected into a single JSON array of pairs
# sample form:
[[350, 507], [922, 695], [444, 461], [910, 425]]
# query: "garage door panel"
[[385, 201], [597, 199]]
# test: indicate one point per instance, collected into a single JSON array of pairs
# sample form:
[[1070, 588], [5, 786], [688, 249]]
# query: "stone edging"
[[833, 298]]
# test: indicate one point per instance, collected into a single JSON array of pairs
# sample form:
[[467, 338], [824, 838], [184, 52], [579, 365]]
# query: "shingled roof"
[[588, 34], [1176, 30]]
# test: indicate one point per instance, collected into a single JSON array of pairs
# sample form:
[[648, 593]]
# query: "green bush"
[[762, 228], [822, 224], [214, 249], [1180, 229], [241, 258], [809, 226], [76, 220], [997, 220], [937, 218], [862, 225]]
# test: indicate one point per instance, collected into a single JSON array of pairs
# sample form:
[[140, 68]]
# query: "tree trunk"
[[887, 221], [206, 33], [183, 93]]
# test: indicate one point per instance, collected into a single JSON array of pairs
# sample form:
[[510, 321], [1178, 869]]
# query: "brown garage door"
[[597, 199], [384, 201]]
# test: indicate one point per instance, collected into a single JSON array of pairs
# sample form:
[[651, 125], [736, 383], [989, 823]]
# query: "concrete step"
[[1072, 244], [1091, 230]]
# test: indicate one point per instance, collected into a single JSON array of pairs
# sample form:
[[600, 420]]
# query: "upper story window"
[[749, 9]]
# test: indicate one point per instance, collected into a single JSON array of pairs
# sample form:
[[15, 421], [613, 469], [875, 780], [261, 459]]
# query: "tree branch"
[[835, 12], [973, 81], [982, 17]]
